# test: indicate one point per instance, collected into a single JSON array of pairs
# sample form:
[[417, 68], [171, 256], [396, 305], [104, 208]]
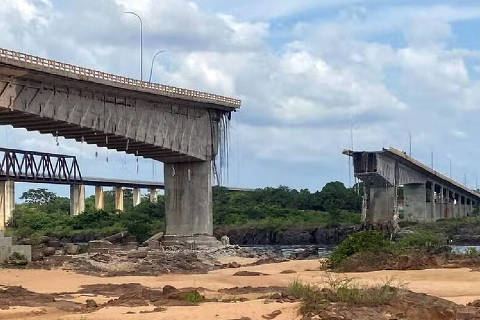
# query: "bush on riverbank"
[[35, 220], [374, 249]]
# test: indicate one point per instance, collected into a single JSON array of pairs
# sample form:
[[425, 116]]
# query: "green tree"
[[38, 196]]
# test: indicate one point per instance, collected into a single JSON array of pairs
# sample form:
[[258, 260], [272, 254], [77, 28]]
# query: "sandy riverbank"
[[457, 285]]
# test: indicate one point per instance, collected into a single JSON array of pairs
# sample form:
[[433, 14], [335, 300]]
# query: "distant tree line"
[[45, 213]]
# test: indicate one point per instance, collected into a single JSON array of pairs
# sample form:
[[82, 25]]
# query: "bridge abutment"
[[188, 202], [77, 199], [7, 202]]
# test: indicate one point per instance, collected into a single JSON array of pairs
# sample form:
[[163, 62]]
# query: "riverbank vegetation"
[[45, 213], [417, 246]]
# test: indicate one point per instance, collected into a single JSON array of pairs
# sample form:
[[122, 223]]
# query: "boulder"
[[43, 239], [168, 290], [37, 254], [53, 243], [154, 241], [225, 240], [71, 248], [49, 251], [116, 238], [137, 254], [99, 245], [91, 303]]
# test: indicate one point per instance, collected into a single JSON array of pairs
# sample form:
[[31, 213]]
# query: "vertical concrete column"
[[77, 199], [118, 198], [7, 202], [433, 204], [137, 196], [457, 205], [188, 198], [153, 193], [451, 208], [414, 198], [99, 198], [441, 204]]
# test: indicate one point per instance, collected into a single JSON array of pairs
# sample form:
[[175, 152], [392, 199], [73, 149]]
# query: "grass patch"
[[193, 297], [341, 290]]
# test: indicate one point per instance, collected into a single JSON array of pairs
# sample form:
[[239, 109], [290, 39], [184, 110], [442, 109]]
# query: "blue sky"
[[308, 72]]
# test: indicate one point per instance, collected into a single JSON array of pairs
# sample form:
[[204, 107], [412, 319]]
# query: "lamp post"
[[141, 42], [153, 60]]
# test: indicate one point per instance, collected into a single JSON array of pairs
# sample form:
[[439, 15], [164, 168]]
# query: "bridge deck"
[[53, 67], [421, 171]]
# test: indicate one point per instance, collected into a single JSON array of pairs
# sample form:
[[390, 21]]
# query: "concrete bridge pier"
[[188, 203], [99, 198], [153, 194], [7, 202], [118, 198], [137, 196], [77, 199]]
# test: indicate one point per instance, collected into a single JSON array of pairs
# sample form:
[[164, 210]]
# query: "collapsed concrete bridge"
[[397, 186], [180, 127]]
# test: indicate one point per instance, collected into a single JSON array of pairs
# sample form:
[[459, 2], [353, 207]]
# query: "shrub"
[[17, 259], [419, 239], [372, 241], [194, 297]]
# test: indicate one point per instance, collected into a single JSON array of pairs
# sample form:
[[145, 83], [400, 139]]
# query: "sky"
[[314, 77]]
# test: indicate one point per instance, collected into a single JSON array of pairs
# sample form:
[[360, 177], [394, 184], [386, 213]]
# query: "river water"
[[289, 251], [292, 250]]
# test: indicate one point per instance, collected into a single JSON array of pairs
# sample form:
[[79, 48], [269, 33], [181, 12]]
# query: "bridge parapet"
[[55, 66]]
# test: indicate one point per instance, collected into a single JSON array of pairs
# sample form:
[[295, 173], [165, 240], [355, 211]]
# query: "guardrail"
[[55, 65]]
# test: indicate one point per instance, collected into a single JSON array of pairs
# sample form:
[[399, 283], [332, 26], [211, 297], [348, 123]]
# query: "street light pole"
[[153, 60], [141, 42]]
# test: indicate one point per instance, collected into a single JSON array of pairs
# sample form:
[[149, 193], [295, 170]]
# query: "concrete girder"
[[185, 130]]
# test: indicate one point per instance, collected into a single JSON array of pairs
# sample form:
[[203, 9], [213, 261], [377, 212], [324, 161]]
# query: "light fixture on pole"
[[141, 42], [153, 60]]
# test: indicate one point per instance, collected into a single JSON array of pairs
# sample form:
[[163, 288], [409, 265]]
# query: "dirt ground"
[[67, 288]]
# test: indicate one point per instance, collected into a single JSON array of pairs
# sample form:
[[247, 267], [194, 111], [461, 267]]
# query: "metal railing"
[[65, 67]]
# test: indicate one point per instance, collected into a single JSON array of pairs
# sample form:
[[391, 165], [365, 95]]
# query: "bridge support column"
[[153, 196], [77, 199], [415, 201], [7, 202], [118, 198], [137, 196], [99, 198], [188, 202], [380, 210]]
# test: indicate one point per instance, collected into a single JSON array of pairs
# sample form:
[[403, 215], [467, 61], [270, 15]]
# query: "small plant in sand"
[[342, 290], [194, 297]]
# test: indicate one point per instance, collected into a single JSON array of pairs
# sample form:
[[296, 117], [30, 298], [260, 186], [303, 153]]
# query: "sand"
[[458, 285]]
